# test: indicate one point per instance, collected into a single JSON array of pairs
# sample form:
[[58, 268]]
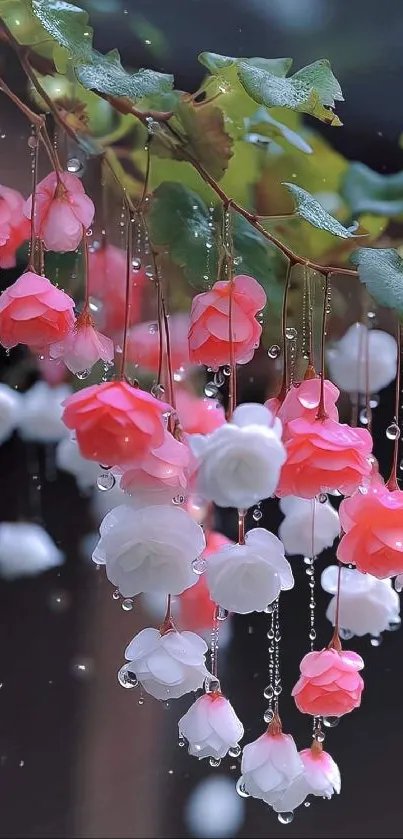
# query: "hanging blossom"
[[144, 343], [40, 418], [168, 665], [211, 727], [34, 312], [239, 464], [10, 410], [364, 359], [69, 459], [162, 475], [62, 210], [83, 347], [367, 605], [329, 684], [26, 549], [149, 550], [321, 777], [309, 527], [269, 765], [247, 578], [302, 402], [209, 341], [372, 521], [115, 423], [107, 287], [14, 226], [198, 415]]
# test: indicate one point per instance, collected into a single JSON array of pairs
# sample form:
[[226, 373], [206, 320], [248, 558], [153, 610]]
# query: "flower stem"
[[275, 728], [335, 643], [241, 527], [392, 482], [167, 624], [86, 267], [35, 158]]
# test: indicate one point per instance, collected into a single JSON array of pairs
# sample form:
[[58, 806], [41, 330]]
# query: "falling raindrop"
[[322, 498], [116, 594], [364, 418], [153, 328], [268, 692], [257, 514], [319, 735], [219, 378], [226, 370], [212, 684], [157, 390], [374, 400]]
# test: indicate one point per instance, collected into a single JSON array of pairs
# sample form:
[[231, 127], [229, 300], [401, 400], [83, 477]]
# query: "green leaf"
[[312, 211], [259, 259], [105, 74], [381, 270], [266, 126], [204, 137], [367, 191], [312, 90], [67, 24]]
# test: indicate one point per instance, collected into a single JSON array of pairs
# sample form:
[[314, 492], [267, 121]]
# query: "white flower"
[[211, 726], [240, 462], [367, 605], [41, 413], [151, 549], [269, 764], [321, 777], [348, 365], [26, 550], [10, 407], [304, 519], [247, 578], [168, 665], [69, 459]]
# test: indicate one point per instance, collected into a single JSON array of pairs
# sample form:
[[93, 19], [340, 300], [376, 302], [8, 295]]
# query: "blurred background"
[[80, 756]]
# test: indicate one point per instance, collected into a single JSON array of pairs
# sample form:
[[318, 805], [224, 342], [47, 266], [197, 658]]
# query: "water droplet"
[[222, 614], [274, 351], [212, 684], [83, 374], [394, 624], [237, 260], [126, 677], [157, 390], [364, 418], [210, 389], [393, 431], [290, 333], [285, 818], [153, 328], [331, 722], [376, 640], [141, 700], [215, 761], [345, 634], [32, 141], [319, 735], [178, 499], [322, 497], [371, 315], [268, 610], [268, 715], [235, 751], [312, 635], [81, 668], [257, 514], [116, 594], [59, 601], [277, 690], [106, 481], [199, 565], [307, 803], [74, 165], [226, 370], [181, 742], [241, 789], [127, 604], [268, 692], [136, 264], [270, 634], [95, 305], [374, 400], [219, 378]]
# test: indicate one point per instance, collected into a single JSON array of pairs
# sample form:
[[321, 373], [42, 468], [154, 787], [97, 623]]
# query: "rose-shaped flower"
[[373, 524], [144, 343], [302, 402], [151, 549], [364, 359], [247, 578], [309, 527], [162, 475], [324, 455], [329, 684], [107, 285], [40, 418], [10, 407], [209, 342], [321, 777], [198, 415], [14, 226], [83, 347], [62, 210], [168, 665], [26, 550], [34, 312], [115, 423], [239, 464], [69, 459], [269, 764], [367, 605], [211, 727]]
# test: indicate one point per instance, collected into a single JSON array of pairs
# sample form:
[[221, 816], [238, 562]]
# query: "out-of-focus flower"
[[26, 550], [40, 419], [309, 527], [14, 226], [367, 605], [144, 343], [10, 406], [198, 415], [364, 359], [69, 459]]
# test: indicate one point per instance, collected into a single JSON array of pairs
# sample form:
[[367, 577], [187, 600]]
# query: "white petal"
[[142, 644]]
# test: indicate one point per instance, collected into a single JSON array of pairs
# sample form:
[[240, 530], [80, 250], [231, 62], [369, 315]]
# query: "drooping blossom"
[[209, 341], [329, 684], [269, 765], [363, 359], [107, 285], [69, 459], [83, 347], [62, 210], [161, 476], [168, 665], [239, 463], [51, 371], [26, 549], [211, 727], [34, 312], [324, 455], [40, 418], [115, 423], [149, 550], [144, 343], [372, 521], [302, 402], [247, 578], [367, 605], [198, 415], [10, 408], [321, 777], [14, 226], [309, 527]]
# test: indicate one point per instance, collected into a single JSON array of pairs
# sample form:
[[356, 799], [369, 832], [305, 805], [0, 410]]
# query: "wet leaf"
[[312, 211], [367, 191], [205, 136], [105, 74], [265, 126], [381, 270]]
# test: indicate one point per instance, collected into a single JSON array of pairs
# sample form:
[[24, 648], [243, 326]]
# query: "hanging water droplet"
[[322, 497], [270, 634], [394, 624], [95, 305], [222, 614], [157, 390], [235, 751], [312, 635], [199, 565], [268, 610], [210, 389], [212, 684], [371, 315], [277, 690], [83, 374], [274, 351], [116, 594], [181, 742], [141, 700], [268, 715], [74, 165], [226, 370], [364, 418], [376, 640], [89, 232], [374, 400], [32, 141], [331, 722], [127, 604], [319, 735], [237, 260], [393, 431], [345, 634], [285, 818], [219, 378], [106, 481], [241, 789], [153, 328], [307, 803], [290, 333], [268, 692], [257, 514], [136, 263], [178, 499], [215, 761], [126, 677]]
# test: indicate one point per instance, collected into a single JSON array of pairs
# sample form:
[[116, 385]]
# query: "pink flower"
[[14, 227], [373, 523], [163, 468], [209, 322], [329, 684], [321, 773], [324, 455], [198, 415], [302, 402], [115, 423], [144, 343], [107, 283], [34, 312], [62, 210], [83, 347]]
